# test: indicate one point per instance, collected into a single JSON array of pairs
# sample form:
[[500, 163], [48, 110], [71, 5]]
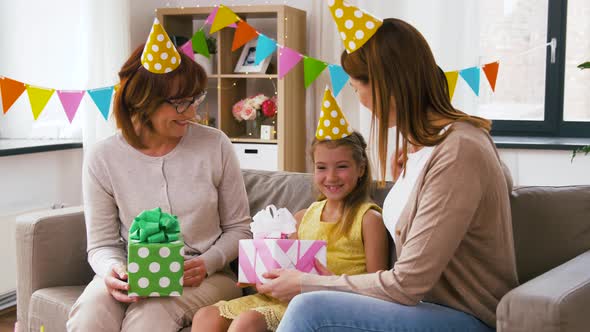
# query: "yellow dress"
[[345, 255]]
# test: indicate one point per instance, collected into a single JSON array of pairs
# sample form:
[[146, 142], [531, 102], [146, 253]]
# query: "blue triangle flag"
[[338, 77], [471, 76], [264, 48], [102, 99]]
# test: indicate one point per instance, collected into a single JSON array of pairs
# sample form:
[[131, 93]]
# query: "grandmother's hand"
[[117, 285], [194, 272], [284, 284]]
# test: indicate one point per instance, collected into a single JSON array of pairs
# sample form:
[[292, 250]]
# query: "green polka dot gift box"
[[155, 264]]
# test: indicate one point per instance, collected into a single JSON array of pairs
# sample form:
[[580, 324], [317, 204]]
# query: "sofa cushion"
[[283, 189], [551, 226], [50, 307]]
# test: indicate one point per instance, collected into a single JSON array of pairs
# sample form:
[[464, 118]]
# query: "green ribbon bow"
[[155, 226]]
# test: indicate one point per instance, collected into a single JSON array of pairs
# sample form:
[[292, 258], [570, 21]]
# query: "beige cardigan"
[[454, 239]]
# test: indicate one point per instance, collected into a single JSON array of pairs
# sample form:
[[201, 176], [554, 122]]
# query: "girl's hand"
[[284, 284], [322, 270], [194, 272], [117, 285]]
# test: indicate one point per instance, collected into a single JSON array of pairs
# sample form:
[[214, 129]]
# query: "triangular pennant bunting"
[[452, 82], [491, 71], [471, 76], [187, 48], [38, 97], [211, 18], [338, 77], [244, 33], [200, 43], [288, 58], [312, 68], [10, 90], [102, 99], [223, 18], [264, 48], [70, 100]]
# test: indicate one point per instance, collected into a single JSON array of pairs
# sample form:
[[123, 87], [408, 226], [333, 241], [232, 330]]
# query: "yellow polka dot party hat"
[[332, 124], [355, 25], [159, 54]]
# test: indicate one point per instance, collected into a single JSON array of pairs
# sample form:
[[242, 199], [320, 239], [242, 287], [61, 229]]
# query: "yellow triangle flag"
[[38, 97], [223, 18], [332, 123], [452, 81]]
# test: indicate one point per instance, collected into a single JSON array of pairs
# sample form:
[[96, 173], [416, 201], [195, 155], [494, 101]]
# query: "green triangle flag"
[[200, 44], [38, 97], [312, 68]]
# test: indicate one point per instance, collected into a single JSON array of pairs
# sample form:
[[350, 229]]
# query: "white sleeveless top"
[[400, 192]]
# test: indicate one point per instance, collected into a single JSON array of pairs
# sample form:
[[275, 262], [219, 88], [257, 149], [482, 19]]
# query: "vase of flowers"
[[252, 111]]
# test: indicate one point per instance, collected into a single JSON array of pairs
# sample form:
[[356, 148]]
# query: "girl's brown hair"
[[400, 68], [141, 92], [361, 192]]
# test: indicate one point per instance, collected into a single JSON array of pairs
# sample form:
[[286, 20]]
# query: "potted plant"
[[208, 63], [584, 149]]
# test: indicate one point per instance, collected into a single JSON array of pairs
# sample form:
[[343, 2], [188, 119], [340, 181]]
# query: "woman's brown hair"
[[141, 92], [361, 192], [400, 68]]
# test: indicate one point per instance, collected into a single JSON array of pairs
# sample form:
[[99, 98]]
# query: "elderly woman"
[[160, 159]]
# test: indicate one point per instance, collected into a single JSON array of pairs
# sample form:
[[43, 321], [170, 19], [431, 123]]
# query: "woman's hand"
[[194, 272], [284, 284], [117, 285]]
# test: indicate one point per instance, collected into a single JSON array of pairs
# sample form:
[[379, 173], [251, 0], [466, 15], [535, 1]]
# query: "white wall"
[[40, 45], [32, 182], [546, 167]]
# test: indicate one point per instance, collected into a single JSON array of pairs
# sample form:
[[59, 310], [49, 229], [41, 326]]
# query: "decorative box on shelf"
[[257, 156]]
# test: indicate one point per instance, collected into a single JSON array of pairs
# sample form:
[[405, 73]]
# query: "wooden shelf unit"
[[287, 26]]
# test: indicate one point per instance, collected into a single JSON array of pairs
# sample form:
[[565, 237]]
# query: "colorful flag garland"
[[222, 17]]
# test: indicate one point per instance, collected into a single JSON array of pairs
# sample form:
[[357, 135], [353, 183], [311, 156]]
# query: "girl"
[[344, 216]]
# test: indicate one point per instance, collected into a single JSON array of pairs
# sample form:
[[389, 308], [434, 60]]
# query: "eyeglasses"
[[183, 106]]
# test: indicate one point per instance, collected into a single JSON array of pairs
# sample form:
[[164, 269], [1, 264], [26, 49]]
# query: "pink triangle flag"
[[209, 20], [288, 58], [187, 48], [70, 100]]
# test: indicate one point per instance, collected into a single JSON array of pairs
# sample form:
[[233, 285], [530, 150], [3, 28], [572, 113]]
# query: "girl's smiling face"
[[336, 173]]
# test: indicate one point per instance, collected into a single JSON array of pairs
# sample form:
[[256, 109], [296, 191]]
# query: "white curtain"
[[106, 28]]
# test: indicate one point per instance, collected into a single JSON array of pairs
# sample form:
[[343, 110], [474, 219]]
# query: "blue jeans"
[[338, 311]]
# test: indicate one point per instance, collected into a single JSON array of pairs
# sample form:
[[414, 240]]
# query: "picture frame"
[[246, 62]]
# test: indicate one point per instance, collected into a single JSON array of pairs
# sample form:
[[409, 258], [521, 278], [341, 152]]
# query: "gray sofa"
[[551, 233]]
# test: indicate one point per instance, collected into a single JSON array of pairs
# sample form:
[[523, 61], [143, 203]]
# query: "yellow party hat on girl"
[[355, 25], [332, 124], [159, 54]]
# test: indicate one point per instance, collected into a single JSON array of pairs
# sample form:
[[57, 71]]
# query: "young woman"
[[451, 224]]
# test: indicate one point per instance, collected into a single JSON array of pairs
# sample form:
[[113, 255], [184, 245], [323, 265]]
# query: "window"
[[535, 96]]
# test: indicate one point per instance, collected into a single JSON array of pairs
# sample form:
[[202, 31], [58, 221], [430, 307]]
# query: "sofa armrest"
[[558, 300], [50, 251]]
